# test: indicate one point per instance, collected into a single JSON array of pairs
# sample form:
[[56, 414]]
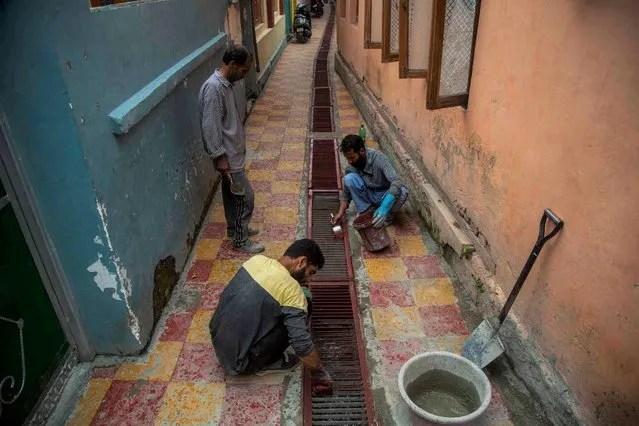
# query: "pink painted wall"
[[553, 121]]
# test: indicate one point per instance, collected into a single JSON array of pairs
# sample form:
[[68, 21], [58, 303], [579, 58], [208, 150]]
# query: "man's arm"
[[300, 338], [390, 174], [212, 115]]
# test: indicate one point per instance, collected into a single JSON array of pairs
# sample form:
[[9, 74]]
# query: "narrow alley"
[[469, 109]]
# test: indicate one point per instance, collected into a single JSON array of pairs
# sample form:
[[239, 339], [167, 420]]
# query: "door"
[[43, 343]]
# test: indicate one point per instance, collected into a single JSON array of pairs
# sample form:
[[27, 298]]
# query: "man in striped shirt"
[[370, 180], [224, 140]]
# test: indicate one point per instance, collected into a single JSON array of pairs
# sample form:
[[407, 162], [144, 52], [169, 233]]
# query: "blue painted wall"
[[126, 201]]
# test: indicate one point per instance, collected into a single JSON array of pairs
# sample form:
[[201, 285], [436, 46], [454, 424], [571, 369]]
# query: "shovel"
[[484, 345]]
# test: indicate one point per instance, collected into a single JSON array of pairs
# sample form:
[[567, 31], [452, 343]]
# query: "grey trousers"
[[238, 209]]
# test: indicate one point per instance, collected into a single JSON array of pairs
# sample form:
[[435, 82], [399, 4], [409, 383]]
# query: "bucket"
[[373, 239], [444, 388]]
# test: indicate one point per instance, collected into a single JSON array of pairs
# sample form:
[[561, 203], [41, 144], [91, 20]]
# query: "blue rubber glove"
[[380, 215]]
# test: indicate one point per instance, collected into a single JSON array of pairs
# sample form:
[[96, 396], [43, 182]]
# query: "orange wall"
[[553, 121]]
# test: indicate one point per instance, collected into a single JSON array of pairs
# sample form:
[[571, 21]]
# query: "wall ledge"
[[133, 110]]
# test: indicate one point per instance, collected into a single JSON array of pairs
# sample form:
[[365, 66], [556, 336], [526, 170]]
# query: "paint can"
[[337, 230]]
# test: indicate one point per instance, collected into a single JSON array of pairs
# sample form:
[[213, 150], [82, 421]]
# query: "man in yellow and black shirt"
[[263, 310]]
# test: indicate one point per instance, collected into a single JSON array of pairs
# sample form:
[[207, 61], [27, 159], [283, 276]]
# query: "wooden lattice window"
[[390, 31], [452, 47], [258, 17], [270, 13], [281, 3], [342, 8], [354, 6], [415, 22], [373, 24]]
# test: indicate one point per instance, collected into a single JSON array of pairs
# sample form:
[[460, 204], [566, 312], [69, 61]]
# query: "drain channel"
[[335, 323]]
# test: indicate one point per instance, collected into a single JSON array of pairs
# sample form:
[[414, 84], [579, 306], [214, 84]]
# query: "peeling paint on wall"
[[121, 273]]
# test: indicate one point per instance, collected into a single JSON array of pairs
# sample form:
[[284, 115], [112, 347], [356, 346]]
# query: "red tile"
[[390, 251], [278, 117], [274, 130], [289, 175], [442, 320], [298, 122], [396, 352], [418, 267], [258, 112], [284, 200], [210, 297], [103, 372], [386, 295], [270, 146], [228, 252], [258, 215], [261, 185], [177, 326], [248, 405], [294, 139], [214, 231], [497, 411], [200, 270], [349, 117], [279, 232], [197, 363], [264, 165], [290, 156], [134, 403]]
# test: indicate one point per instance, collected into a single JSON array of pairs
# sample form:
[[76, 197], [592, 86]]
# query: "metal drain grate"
[[322, 119], [322, 97], [337, 267], [322, 55], [324, 172], [321, 65], [321, 79], [335, 331]]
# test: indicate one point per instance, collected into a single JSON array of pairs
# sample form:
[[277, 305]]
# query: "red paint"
[[210, 297], [197, 363], [215, 231], [419, 267], [129, 403], [177, 326], [279, 232], [391, 251], [442, 320]]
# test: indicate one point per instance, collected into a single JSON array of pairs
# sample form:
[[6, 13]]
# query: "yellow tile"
[[294, 147], [191, 404], [290, 166], [269, 155], [284, 215], [293, 131], [275, 249], [254, 130], [252, 144], [350, 123], [450, 343], [411, 246], [260, 175], [217, 214], [285, 187], [223, 270], [276, 124], [207, 248], [385, 269], [267, 137], [435, 292], [90, 402], [257, 118], [199, 331], [160, 366], [261, 107], [262, 198], [392, 322], [279, 112]]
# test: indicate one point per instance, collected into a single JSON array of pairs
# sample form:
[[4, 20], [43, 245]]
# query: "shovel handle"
[[542, 238]]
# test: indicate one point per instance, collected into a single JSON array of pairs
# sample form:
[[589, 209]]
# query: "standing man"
[[225, 141], [371, 182], [263, 310]]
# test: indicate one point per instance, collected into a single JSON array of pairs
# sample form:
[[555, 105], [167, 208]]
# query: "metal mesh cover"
[[394, 27], [458, 42], [419, 25]]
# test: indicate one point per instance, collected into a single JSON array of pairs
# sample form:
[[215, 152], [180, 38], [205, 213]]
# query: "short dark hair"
[[308, 248], [238, 54], [352, 143]]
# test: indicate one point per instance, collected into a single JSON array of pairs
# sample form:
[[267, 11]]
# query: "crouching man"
[[263, 311], [371, 182]]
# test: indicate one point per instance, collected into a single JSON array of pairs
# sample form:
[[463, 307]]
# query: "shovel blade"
[[483, 345]]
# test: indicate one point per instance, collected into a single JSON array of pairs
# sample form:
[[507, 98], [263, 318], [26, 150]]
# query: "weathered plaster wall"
[[116, 207], [269, 41], [552, 122]]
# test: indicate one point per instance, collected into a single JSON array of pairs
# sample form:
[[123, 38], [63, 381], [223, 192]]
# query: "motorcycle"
[[302, 23], [318, 8]]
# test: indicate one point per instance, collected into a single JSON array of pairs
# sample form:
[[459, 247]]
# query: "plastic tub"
[[373, 239]]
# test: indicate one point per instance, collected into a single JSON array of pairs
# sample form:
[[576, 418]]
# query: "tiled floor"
[[412, 302]]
